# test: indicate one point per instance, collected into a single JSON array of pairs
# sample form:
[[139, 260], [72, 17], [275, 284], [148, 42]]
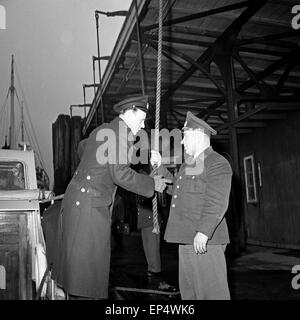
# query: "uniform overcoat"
[[82, 261], [200, 200]]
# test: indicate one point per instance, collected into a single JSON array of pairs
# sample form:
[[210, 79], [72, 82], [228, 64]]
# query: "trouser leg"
[[186, 286], [203, 276], [214, 273], [151, 244]]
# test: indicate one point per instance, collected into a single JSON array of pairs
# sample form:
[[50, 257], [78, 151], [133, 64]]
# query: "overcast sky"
[[53, 42]]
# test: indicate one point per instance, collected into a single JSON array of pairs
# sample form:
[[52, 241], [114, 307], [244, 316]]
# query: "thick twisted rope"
[[157, 113]]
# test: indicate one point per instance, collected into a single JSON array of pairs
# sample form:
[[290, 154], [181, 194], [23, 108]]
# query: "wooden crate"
[[15, 257]]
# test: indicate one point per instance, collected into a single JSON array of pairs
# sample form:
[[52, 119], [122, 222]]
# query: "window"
[[250, 179], [11, 175]]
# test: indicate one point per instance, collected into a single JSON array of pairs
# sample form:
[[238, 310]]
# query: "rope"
[[157, 112]]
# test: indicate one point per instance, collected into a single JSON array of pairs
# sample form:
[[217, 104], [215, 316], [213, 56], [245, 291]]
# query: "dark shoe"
[[156, 282], [164, 286]]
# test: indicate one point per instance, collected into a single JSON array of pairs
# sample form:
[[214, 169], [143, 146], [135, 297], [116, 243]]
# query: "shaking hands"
[[159, 181]]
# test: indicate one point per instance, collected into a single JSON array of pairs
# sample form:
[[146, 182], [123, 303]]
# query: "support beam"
[[239, 131], [185, 108], [175, 73], [259, 76], [198, 15], [237, 217], [180, 123], [284, 76], [211, 109], [207, 44], [291, 56], [264, 39], [236, 120], [197, 31], [142, 49], [263, 87], [289, 106], [169, 56], [141, 58], [196, 64], [193, 101], [255, 111], [223, 58], [250, 124], [270, 116]]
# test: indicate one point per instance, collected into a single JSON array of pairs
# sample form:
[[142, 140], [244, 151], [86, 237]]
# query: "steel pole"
[[99, 69]]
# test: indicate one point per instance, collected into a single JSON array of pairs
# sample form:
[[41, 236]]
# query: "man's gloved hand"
[[155, 158], [160, 183], [200, 242]]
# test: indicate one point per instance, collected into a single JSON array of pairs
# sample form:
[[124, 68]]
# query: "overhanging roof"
[[197, 37]]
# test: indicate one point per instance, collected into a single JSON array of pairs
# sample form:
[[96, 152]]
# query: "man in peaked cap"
[[194, 123], [200, 196], [133, 111], [82, 262], [137, 102]]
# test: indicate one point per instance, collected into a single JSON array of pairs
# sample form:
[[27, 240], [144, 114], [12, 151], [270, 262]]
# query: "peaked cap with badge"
[[194, 123], [140, 102]]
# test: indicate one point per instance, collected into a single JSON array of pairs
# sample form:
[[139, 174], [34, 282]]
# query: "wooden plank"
[[268, 116], [75, 138], [61, 153], [273, 244], [250, 125]]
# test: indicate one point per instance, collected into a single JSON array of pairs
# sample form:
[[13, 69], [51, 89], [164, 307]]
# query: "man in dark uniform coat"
[[82, 262], [199, 201], [151, 240]]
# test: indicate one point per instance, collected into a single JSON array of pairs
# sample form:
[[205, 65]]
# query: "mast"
[[23, 144], [12, 138], [22, 124]]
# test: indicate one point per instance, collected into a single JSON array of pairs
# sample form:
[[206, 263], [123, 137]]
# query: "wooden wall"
[[66, 134], [76, 135], [275, 219]]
